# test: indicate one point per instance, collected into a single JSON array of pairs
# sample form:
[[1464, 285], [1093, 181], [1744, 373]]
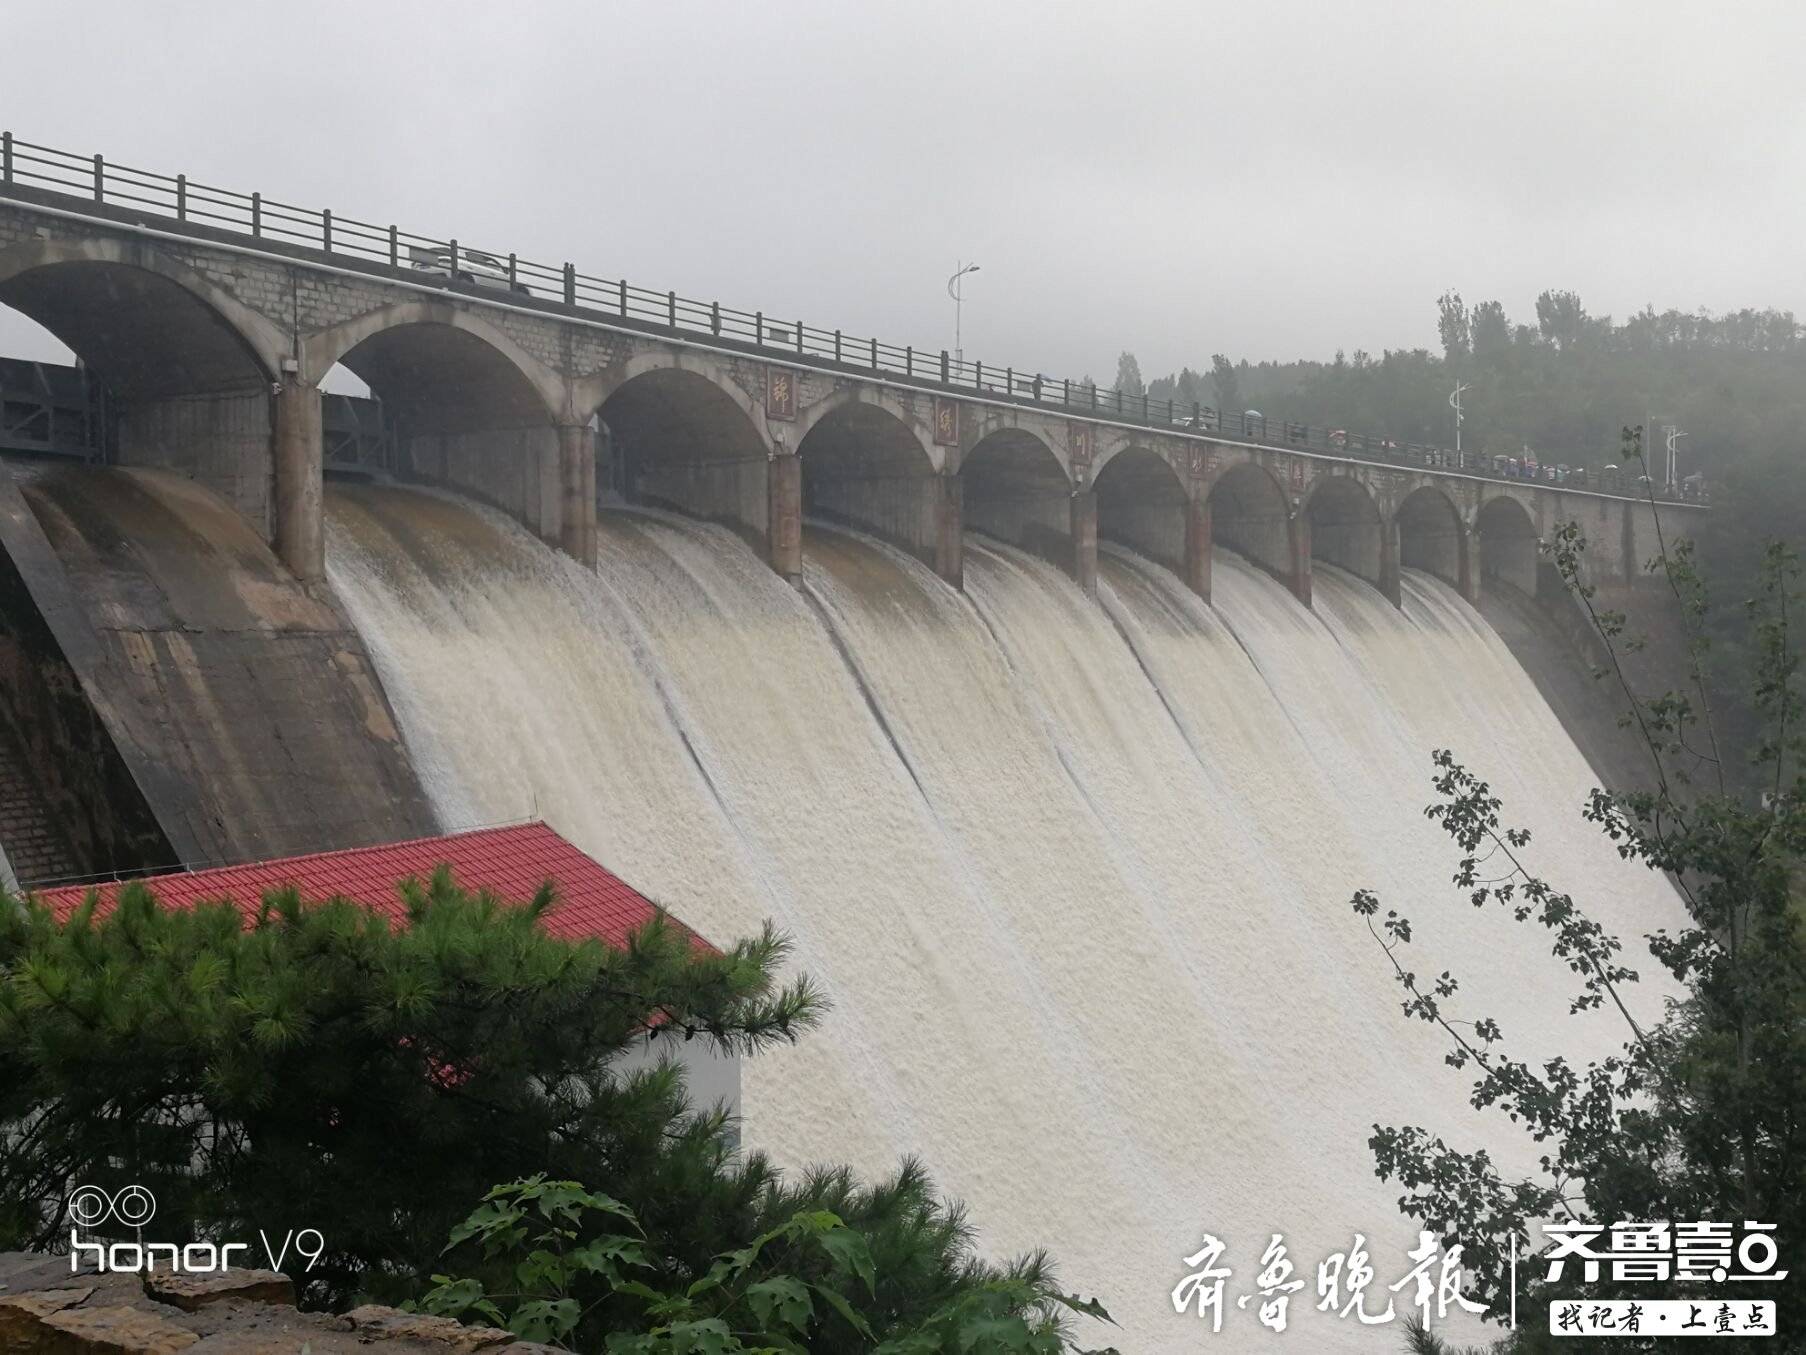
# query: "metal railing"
[[46, 409], [559, 288]]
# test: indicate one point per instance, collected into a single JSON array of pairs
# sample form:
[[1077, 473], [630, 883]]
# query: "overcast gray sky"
[[1273, 178]]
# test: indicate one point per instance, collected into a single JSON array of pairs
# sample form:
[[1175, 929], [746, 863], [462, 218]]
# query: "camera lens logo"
[[90, 1206]]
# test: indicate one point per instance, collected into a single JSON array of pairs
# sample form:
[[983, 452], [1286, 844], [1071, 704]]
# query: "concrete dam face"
[[175, 695], [1075, 873]]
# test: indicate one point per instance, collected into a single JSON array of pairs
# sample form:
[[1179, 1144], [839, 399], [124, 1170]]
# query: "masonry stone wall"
[[1345, 525], [513, 469], [1025, 510], [734, 492], [32, 844], [1151, 527], [904, 510], [1249, 514], [221, 441]]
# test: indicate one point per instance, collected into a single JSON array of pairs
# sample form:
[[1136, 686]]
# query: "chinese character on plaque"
[[780, 393], [1298, 475], [946, 423]]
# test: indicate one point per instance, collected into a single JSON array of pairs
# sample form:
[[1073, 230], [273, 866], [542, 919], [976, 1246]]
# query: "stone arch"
[[901, 408], [864, 465], [1432, 537], [590, 393], [676, 436], [1014, 487], [446, 360], [1345, 528], [190, 370], [1508, 544], [1142, 503], [1251, 514], [150, 325], [466, 407]]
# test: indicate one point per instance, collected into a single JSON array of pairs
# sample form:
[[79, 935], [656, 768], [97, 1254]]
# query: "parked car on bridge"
[[473, 266]]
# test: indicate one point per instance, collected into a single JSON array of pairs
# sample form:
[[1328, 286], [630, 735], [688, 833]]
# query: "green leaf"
[[639, 1289], [850, 1254], [783, 1295], [602, 1254], [911, 1343], [989, 1334], [543, 1270], [709, 1336], [724, 1269], [607, 1204], [1088, 1307], [545, 1320], [846, 1310], [487, 1219], [450, 1298], [561, 1199]]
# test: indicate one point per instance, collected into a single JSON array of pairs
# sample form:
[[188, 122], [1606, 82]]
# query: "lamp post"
[[1455, 404], [953, 290], [1674, 460]]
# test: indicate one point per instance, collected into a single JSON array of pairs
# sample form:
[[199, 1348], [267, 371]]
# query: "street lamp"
[[953, 290], [1455, 404], [1674, 460]]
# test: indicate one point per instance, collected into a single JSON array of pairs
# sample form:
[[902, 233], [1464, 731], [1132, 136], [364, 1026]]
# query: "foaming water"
[[1075, 874]]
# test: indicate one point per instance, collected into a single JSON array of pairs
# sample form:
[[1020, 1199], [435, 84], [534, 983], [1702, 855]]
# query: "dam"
[[1057, 736], [1075, 875], [1073, 870]]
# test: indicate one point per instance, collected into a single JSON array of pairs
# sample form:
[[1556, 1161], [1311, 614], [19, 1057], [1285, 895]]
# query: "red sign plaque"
[[780, 393], [946, 423]]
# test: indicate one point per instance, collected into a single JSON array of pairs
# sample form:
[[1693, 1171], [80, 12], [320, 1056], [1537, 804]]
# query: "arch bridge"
[[213, 319]]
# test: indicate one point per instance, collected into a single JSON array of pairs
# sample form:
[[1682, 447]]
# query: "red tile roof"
[[511, 863]]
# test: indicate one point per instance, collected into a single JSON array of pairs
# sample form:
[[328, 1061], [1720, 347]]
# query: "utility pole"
[[1455, 404]]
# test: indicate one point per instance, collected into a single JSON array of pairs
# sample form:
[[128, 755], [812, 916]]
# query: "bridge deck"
[[123, 197]]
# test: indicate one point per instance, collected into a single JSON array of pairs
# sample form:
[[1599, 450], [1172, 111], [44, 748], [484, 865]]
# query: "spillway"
[[1074, 873]]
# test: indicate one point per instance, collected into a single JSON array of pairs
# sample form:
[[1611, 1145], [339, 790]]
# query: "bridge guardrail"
[[346, 239]]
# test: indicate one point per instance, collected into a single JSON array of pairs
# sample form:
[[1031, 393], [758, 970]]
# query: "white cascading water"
[[1075, 874]]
